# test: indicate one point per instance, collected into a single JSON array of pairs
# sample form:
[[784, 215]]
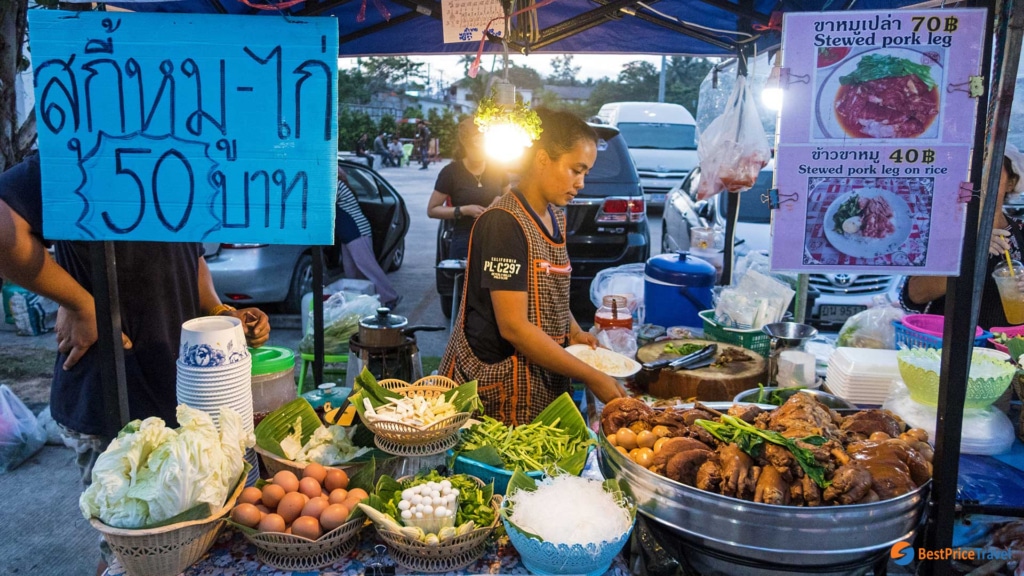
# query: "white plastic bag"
[[342, 312], [873, 327], [21, 436], [734, 148], [627, 280], [618, 340]]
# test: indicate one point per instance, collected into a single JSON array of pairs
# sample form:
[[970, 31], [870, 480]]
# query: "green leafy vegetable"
[[682, 349], [558, 438], [848, 209], [776, 397], [876, 67], [751, 440], [474, 500]]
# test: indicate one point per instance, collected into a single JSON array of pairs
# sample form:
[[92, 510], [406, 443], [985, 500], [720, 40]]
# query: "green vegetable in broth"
[[876, 67]]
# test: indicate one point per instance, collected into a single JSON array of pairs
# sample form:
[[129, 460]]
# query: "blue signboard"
[[186, 127]]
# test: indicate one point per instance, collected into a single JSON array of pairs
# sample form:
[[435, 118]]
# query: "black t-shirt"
[[464, 189], [991, 311], [158, 287], [498, 261]]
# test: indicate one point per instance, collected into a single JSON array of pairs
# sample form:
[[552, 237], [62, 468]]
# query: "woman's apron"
[[516, 390]]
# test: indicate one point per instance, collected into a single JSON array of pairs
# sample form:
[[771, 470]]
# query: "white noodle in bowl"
[[611, 363]]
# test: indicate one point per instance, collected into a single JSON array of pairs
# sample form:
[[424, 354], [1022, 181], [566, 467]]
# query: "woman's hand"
[[999, 244], [472, 210], [581, 337], [606, 388], [255, 324], [76, 332]]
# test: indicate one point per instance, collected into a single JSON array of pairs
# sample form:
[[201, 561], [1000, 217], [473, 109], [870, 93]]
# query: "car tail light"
[[621, 209], [242, 246], [237, 297]]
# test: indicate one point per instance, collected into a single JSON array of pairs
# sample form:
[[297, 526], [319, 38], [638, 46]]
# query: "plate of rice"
[[611, 363]]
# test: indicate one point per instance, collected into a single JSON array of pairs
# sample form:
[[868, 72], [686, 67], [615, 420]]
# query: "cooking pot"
[[385, 329]]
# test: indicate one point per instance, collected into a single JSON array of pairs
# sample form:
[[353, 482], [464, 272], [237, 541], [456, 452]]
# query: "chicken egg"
[[246, 514], [263, 508], [358, 494], [334, 479], [646, 439], [272, 494], [306, 527], [626, 438], [287, 480], [338, 495], [272, 523], [315, 507], [315, 471], [291, 506], [310, 487], [643, 457], [333, 516], [250, 495]]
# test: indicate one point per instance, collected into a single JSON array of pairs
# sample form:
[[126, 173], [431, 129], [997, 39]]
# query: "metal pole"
[[964, 291], [109, 346], [661, 81], [318, 315]]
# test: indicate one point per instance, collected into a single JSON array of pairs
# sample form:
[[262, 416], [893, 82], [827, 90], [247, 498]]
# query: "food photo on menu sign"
[[869, 76], [870, 180]]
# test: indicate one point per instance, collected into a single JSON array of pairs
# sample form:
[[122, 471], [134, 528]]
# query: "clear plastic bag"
[[618, 340], [342, 312], [21, 436], [734, 148], [627, 280], [873, 327]]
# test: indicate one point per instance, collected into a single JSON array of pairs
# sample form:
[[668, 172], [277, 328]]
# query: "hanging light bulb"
[[504, 138], [771, 95]]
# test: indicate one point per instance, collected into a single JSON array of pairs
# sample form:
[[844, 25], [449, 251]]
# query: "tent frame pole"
[[109, 346], [964, 291]]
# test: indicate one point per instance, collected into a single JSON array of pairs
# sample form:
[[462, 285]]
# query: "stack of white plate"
[[862, 375], [215, 371]]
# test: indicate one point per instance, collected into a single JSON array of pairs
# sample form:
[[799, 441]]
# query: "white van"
[[662, 140]]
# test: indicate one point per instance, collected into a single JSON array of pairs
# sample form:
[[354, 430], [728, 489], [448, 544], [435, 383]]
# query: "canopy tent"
[[671, 27]]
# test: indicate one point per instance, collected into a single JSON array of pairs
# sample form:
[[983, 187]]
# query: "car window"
[[659, 135], [753, 210], [613, 162], [362, 183], [689, 186]]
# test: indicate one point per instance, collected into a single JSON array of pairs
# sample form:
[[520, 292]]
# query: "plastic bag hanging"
[[734, 148]]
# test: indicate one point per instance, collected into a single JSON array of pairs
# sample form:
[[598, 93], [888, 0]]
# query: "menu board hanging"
[[186, 127], [875, 139]]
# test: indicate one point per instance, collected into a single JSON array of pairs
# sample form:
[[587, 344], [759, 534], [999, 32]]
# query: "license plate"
[[837, 314], [656, 198]]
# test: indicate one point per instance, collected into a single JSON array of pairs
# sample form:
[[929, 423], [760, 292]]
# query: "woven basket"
[[275, 464], [289, 552], [397, 436], [455, 554], [168, 550]]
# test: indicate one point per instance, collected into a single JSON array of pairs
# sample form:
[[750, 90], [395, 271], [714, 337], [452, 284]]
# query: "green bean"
[[534, 446]]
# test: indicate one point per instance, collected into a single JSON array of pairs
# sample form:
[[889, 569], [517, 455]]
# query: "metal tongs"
[[699, 359]]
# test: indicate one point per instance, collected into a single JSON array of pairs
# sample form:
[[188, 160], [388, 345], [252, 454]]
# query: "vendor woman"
[[514, 322], [927, 294]]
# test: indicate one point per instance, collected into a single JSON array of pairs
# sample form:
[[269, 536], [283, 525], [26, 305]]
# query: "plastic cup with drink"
[[1005, 276]]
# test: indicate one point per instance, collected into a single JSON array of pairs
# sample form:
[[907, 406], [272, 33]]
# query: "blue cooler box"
[[676, 288]]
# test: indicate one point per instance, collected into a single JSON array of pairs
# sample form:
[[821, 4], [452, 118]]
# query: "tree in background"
[[387, 125], [351, 125], [390, 72], [564, 73], [524, 77], [15, 141], [444, 127], [683, 76], [352, 87]]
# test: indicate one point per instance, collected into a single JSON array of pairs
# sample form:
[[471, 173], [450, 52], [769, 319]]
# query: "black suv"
[[606, 225]]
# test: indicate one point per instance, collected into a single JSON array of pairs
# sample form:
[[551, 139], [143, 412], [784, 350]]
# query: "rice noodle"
[[569, 510]]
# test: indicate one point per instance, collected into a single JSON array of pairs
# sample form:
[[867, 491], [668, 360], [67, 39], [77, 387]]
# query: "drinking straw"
[[1009, 262]]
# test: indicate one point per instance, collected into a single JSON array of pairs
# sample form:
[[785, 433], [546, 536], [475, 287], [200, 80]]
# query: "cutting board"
[[710, 383]]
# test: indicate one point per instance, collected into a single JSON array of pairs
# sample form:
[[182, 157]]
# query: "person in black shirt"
[[515, 321], [361, 144], [927, 294], [466, 187], [423, 142]]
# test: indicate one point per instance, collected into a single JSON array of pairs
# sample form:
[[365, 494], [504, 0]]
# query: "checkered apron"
[[516, 390]]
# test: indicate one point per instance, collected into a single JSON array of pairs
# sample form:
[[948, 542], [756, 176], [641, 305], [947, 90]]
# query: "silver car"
[[246, 274], [838, 297]]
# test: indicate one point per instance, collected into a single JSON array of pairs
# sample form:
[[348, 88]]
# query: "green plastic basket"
[[754, 340]]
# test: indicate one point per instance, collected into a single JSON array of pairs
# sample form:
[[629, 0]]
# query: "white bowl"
[[244, 364], [214, 381], [212, 341]]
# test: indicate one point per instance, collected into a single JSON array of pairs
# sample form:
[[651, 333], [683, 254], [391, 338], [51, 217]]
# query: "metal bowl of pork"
[[721, 535]]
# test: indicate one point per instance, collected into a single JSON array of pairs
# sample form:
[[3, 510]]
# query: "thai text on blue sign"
[[186, 127]]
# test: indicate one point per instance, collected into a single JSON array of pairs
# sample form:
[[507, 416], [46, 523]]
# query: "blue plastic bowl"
[[487, 473], [547, 558]]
